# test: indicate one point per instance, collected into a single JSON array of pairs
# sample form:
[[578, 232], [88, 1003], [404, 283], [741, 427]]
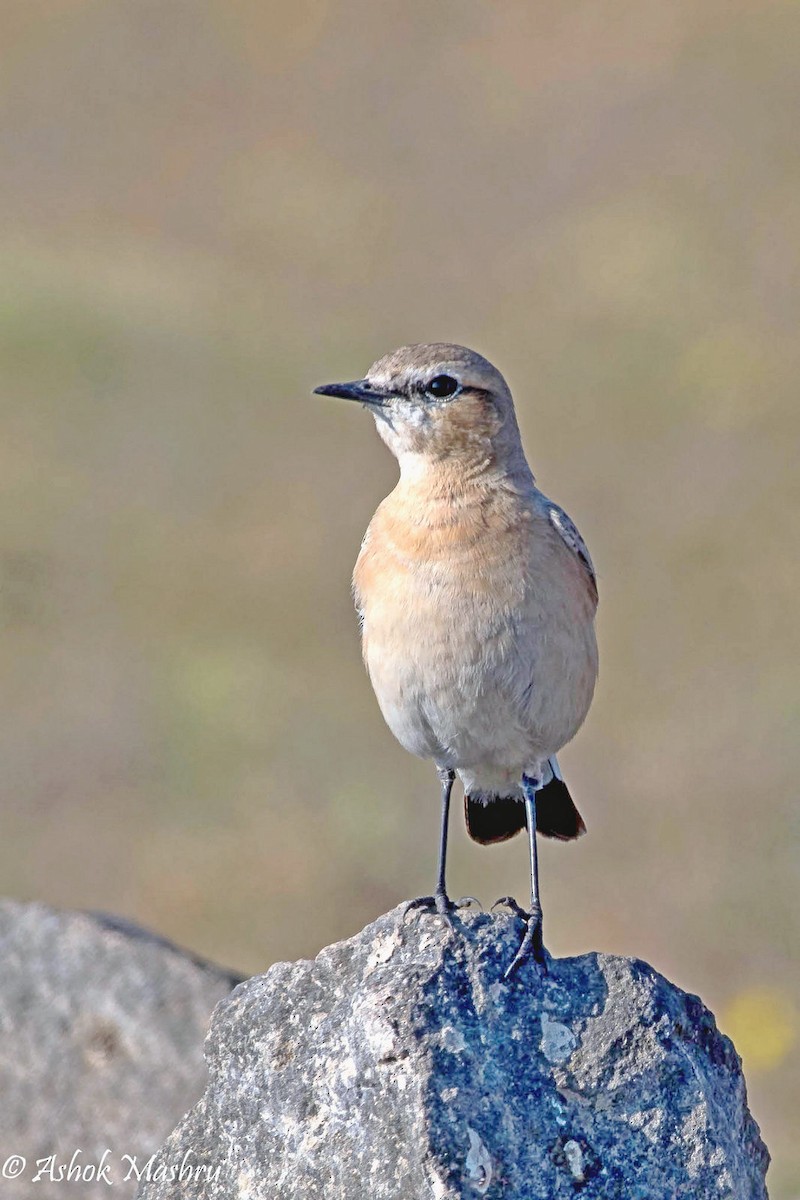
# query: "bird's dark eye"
[[442, 385]]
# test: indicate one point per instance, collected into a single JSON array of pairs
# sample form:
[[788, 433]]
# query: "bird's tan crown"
[[411, 367]]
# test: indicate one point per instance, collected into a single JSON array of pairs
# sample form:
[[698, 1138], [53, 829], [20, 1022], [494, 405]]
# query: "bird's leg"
[[440, 899], [532, 945]]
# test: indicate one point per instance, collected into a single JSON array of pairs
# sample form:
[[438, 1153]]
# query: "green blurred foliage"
[[208, 208]]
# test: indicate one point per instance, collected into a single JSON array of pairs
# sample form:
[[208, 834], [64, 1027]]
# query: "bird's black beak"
[[360, 389]]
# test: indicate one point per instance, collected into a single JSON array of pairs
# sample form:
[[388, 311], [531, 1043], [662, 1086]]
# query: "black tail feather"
[[494, 819], [556, 814], [497, 818]]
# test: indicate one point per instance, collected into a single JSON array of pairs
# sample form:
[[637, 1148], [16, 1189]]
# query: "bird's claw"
[[466, 901], [531, 946], [440, 902], [510, 902]]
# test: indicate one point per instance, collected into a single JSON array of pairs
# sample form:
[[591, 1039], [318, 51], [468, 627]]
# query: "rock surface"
[[399, 1064], [101, 1040]]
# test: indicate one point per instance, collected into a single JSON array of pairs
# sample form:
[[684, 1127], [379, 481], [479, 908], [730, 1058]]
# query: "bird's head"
[[438, 403]]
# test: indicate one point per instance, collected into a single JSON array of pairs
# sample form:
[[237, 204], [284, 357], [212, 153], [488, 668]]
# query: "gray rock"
[[101, 1037], [399, 1064]]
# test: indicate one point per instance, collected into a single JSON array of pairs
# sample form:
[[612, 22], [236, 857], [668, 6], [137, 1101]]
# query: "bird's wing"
[[568, 530]]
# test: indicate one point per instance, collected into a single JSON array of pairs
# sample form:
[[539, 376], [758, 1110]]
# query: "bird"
[[476, 597]]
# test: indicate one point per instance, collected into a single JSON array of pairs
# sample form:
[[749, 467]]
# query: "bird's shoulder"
[[559, 520]]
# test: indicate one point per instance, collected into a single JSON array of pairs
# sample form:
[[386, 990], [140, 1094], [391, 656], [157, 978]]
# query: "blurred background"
[[210, 207]]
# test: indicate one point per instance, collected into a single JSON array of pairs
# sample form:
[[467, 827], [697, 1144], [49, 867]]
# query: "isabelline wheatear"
[[477, 599]]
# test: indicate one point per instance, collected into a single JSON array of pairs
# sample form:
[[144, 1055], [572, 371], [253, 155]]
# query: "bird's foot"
[[531, 945], [441, 903], [510, 902]]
